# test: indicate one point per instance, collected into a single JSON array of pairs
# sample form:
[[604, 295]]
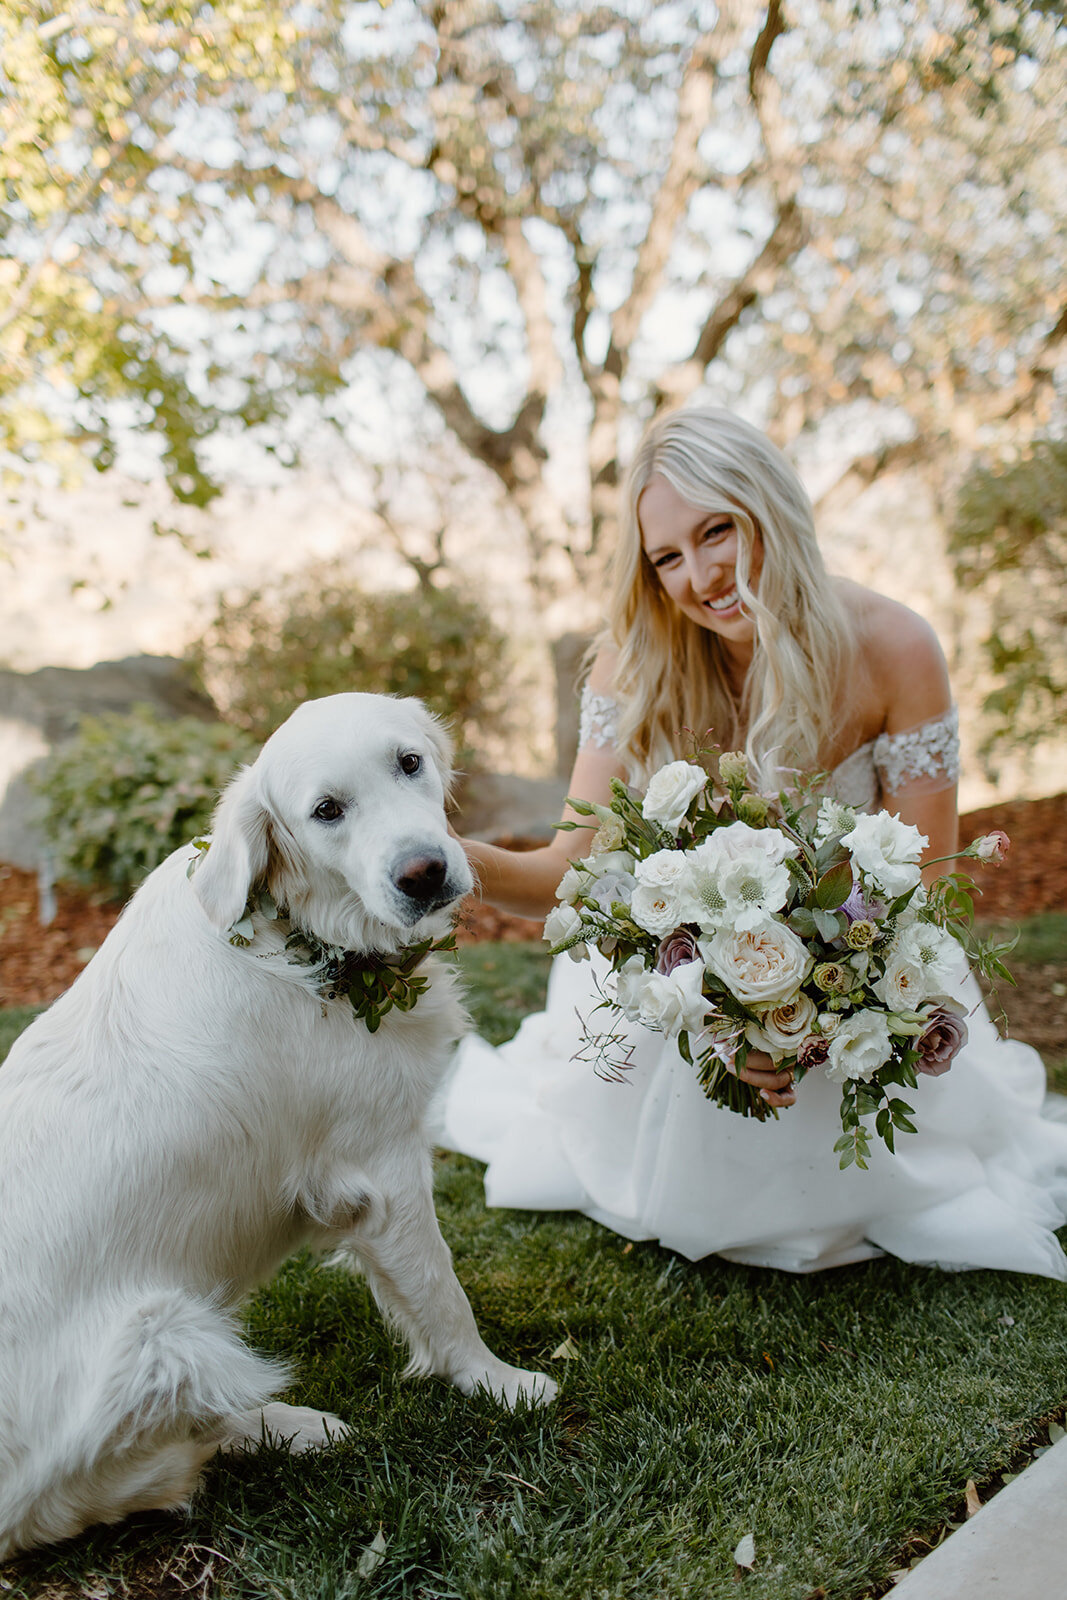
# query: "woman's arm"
[[913, 671], [524, 882]]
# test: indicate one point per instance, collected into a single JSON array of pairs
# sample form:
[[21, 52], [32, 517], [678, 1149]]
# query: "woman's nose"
[[702, 566]]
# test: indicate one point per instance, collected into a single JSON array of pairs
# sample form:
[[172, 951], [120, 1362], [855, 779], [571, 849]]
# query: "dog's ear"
[[240, 849]]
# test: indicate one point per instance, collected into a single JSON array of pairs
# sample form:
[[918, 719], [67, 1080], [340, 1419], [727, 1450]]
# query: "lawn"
[[834, 1418]]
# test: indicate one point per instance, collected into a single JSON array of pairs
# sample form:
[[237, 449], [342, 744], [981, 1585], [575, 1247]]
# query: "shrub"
[[1010, 538], [129, 788], [318, 633]]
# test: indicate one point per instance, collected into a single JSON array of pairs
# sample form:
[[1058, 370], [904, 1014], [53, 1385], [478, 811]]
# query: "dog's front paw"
[[299, 1428], [510, 1384]]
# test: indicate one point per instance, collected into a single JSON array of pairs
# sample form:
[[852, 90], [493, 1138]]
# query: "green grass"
[[833, 1417], [1042, 938]]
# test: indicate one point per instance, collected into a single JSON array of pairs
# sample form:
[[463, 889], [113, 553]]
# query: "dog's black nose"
[[421, 877]]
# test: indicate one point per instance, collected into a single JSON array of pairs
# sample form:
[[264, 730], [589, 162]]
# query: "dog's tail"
[[129, 1427]]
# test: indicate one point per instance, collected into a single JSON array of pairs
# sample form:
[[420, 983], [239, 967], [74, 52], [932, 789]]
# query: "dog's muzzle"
[[425, 884]]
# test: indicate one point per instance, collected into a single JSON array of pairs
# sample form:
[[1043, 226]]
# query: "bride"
[[723, 617]]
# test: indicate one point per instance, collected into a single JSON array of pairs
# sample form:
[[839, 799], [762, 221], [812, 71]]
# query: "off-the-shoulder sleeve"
[[922, 759], [598, 721]]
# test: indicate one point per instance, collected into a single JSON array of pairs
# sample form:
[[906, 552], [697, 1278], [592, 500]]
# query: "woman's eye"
[[410, 763], [328, 810], [718, 530]]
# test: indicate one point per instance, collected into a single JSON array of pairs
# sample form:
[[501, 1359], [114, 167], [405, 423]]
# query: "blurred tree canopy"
[[537, 219], [1010, 537]]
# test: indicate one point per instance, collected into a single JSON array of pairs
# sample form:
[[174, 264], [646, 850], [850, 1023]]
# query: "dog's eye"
[[328, 810], [410, 763]]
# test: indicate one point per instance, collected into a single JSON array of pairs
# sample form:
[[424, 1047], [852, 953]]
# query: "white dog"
[[192, 1110]]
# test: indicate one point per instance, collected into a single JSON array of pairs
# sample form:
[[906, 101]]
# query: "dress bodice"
[[922, 759]]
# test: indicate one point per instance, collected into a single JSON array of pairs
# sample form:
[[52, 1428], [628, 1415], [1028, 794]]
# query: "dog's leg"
[[156, 1380], [297, 1427], [409, 1268]]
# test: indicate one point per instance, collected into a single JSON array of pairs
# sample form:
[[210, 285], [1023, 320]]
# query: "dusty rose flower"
[[992, 847], [861, 934], [945, 1036], [678, 947], [813, 1052]]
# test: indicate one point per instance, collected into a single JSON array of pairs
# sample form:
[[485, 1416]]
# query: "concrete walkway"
[[1015, 1548]]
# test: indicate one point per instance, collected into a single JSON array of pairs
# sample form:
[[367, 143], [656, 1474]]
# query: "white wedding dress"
[[983, 1183]]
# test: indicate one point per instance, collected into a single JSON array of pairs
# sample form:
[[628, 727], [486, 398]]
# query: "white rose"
[[886, 851], [667, 869], [573, 884], [922, 961], [781, 1029], [628, 985], [656, 908], [674, 1002], [829, 1023], [562, 923], [763, 967], [860, 1046], [669, 792]]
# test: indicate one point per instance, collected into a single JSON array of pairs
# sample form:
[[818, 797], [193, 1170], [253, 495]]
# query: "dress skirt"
[[983, 1183]]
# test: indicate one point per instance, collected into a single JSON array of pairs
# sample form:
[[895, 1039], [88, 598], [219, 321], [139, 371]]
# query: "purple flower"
[[859, 909], [946, 1034], [675, 950]]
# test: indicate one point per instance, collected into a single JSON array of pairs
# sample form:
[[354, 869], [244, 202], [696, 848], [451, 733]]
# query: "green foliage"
[[1010, 537], [319, 633], [130, 788]]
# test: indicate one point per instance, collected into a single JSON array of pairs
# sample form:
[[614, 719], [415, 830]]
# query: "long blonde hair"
[[671, 673]]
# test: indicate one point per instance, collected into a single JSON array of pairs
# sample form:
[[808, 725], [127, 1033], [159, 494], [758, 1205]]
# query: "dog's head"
[[342, 819]]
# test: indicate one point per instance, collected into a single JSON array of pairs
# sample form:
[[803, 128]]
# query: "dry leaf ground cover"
[[837, 1420]]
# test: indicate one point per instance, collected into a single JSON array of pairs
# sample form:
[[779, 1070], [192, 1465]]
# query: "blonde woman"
[[723, 617]]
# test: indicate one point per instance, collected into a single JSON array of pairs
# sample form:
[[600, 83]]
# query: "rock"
[[39, 710]]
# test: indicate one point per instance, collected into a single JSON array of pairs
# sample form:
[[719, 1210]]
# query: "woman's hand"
[[774, 1084]]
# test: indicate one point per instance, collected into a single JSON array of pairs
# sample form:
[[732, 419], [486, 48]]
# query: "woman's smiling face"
[[694, 554]]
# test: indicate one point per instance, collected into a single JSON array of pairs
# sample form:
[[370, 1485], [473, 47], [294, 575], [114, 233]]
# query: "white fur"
[[190, 1112]]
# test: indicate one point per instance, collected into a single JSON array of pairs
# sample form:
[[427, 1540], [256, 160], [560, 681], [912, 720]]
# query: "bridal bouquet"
[[796, 925]]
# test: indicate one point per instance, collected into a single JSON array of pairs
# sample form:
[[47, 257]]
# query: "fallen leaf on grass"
[[373, 1556], [970, 1496], [567, 1351], [745, 1554]]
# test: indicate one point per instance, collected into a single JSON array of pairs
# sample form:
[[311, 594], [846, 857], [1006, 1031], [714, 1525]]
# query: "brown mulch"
[[37, 964]]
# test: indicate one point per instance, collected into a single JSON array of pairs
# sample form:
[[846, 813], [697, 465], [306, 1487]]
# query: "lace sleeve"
[[924, 759], [598, 720]]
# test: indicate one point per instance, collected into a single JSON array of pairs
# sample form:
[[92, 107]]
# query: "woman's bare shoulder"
[[902, 657]]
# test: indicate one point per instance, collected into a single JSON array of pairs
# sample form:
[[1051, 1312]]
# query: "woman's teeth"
[[724, 602]]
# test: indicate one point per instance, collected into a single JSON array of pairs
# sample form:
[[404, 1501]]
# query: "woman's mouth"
[[723, 602]]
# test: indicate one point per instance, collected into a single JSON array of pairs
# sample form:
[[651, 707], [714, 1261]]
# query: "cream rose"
[[860, 1046], [763, 966], [782, 1029], [669, 792]]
